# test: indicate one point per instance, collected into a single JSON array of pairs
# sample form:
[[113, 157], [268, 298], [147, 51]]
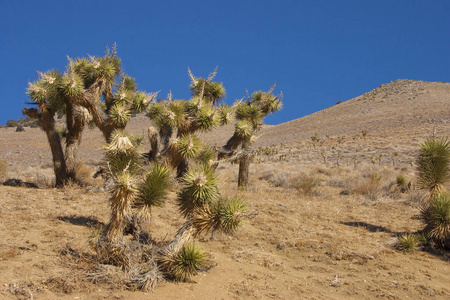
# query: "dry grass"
[[3, 169]]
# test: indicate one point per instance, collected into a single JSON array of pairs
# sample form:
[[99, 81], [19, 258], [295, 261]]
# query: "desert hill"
[[399, 106]]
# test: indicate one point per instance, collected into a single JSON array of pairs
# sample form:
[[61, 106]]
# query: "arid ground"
[[327, 211]]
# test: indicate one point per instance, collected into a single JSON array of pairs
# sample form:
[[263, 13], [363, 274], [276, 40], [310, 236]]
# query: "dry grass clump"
[[370, 186], [128, 269], [305, 184], [22, 289], [3, 169]]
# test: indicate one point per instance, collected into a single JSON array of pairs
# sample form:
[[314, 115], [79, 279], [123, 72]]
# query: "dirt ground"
[[332, 240]]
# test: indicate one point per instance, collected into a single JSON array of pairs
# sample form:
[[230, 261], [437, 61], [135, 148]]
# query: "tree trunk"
[[244, 166], [46, 121], [59, 164], [76, 121], [182, 168]]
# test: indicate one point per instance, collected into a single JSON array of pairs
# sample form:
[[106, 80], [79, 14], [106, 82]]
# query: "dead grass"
[[3, 169]]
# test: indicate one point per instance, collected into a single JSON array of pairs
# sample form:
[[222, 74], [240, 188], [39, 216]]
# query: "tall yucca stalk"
[[123, 193], [433, 165], [123, 161]]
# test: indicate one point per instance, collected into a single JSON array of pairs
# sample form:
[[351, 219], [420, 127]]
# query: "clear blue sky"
[[318, 52]]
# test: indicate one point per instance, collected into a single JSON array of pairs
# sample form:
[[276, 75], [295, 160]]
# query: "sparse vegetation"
[[305, 184], [3, 169], [409, 242]]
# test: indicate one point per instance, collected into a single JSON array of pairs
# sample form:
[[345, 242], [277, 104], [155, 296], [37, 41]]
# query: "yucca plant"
[[249, 115], [184, 264], [91, 90], [408, 242], [433, 165], [226, 215], [199, 188], [437, 218], [153, 190]]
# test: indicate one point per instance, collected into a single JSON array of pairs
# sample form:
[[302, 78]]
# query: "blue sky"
[[318, 52]]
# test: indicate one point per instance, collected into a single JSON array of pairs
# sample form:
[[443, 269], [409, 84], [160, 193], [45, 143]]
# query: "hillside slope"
[[399, 106]]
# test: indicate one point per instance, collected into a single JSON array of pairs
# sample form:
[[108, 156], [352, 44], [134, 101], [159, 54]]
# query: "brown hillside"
[[402, 105]]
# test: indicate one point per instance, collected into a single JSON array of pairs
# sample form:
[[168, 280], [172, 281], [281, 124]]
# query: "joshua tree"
[[135, 191], [364, 133], [177, 122], [394, 157], [315, 139], [250, 115], [90, 89]]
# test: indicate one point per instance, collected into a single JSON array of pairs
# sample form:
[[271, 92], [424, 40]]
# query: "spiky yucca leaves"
[[189, 145], [45, 92], [226, 215], [408, 242], [123, 193], [212, 91], [244, 129], [433, 165], [122, 153], [206, 155], [185, 264], [225, 114], [199, 188], [120, 114], [206, 118], [437, 218], [154, 188], [268, 102]]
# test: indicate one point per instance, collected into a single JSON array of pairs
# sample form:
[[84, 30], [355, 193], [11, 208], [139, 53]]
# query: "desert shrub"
[[401, 180], [11, 123], [185, 264], [408, 242], [20, 128], [424, 238], [84, 174], [3, 169], [437, 218], [370, 186], [305, 184], [433, 165], [276, 179]]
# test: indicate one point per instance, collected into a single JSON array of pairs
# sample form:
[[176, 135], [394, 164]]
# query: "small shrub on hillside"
[[185, 264], [433, 165], [20, 128], [305, 184], [11, 123], [437, 217], [401, 180], [3, 169], [370, 187], [408, 242]]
